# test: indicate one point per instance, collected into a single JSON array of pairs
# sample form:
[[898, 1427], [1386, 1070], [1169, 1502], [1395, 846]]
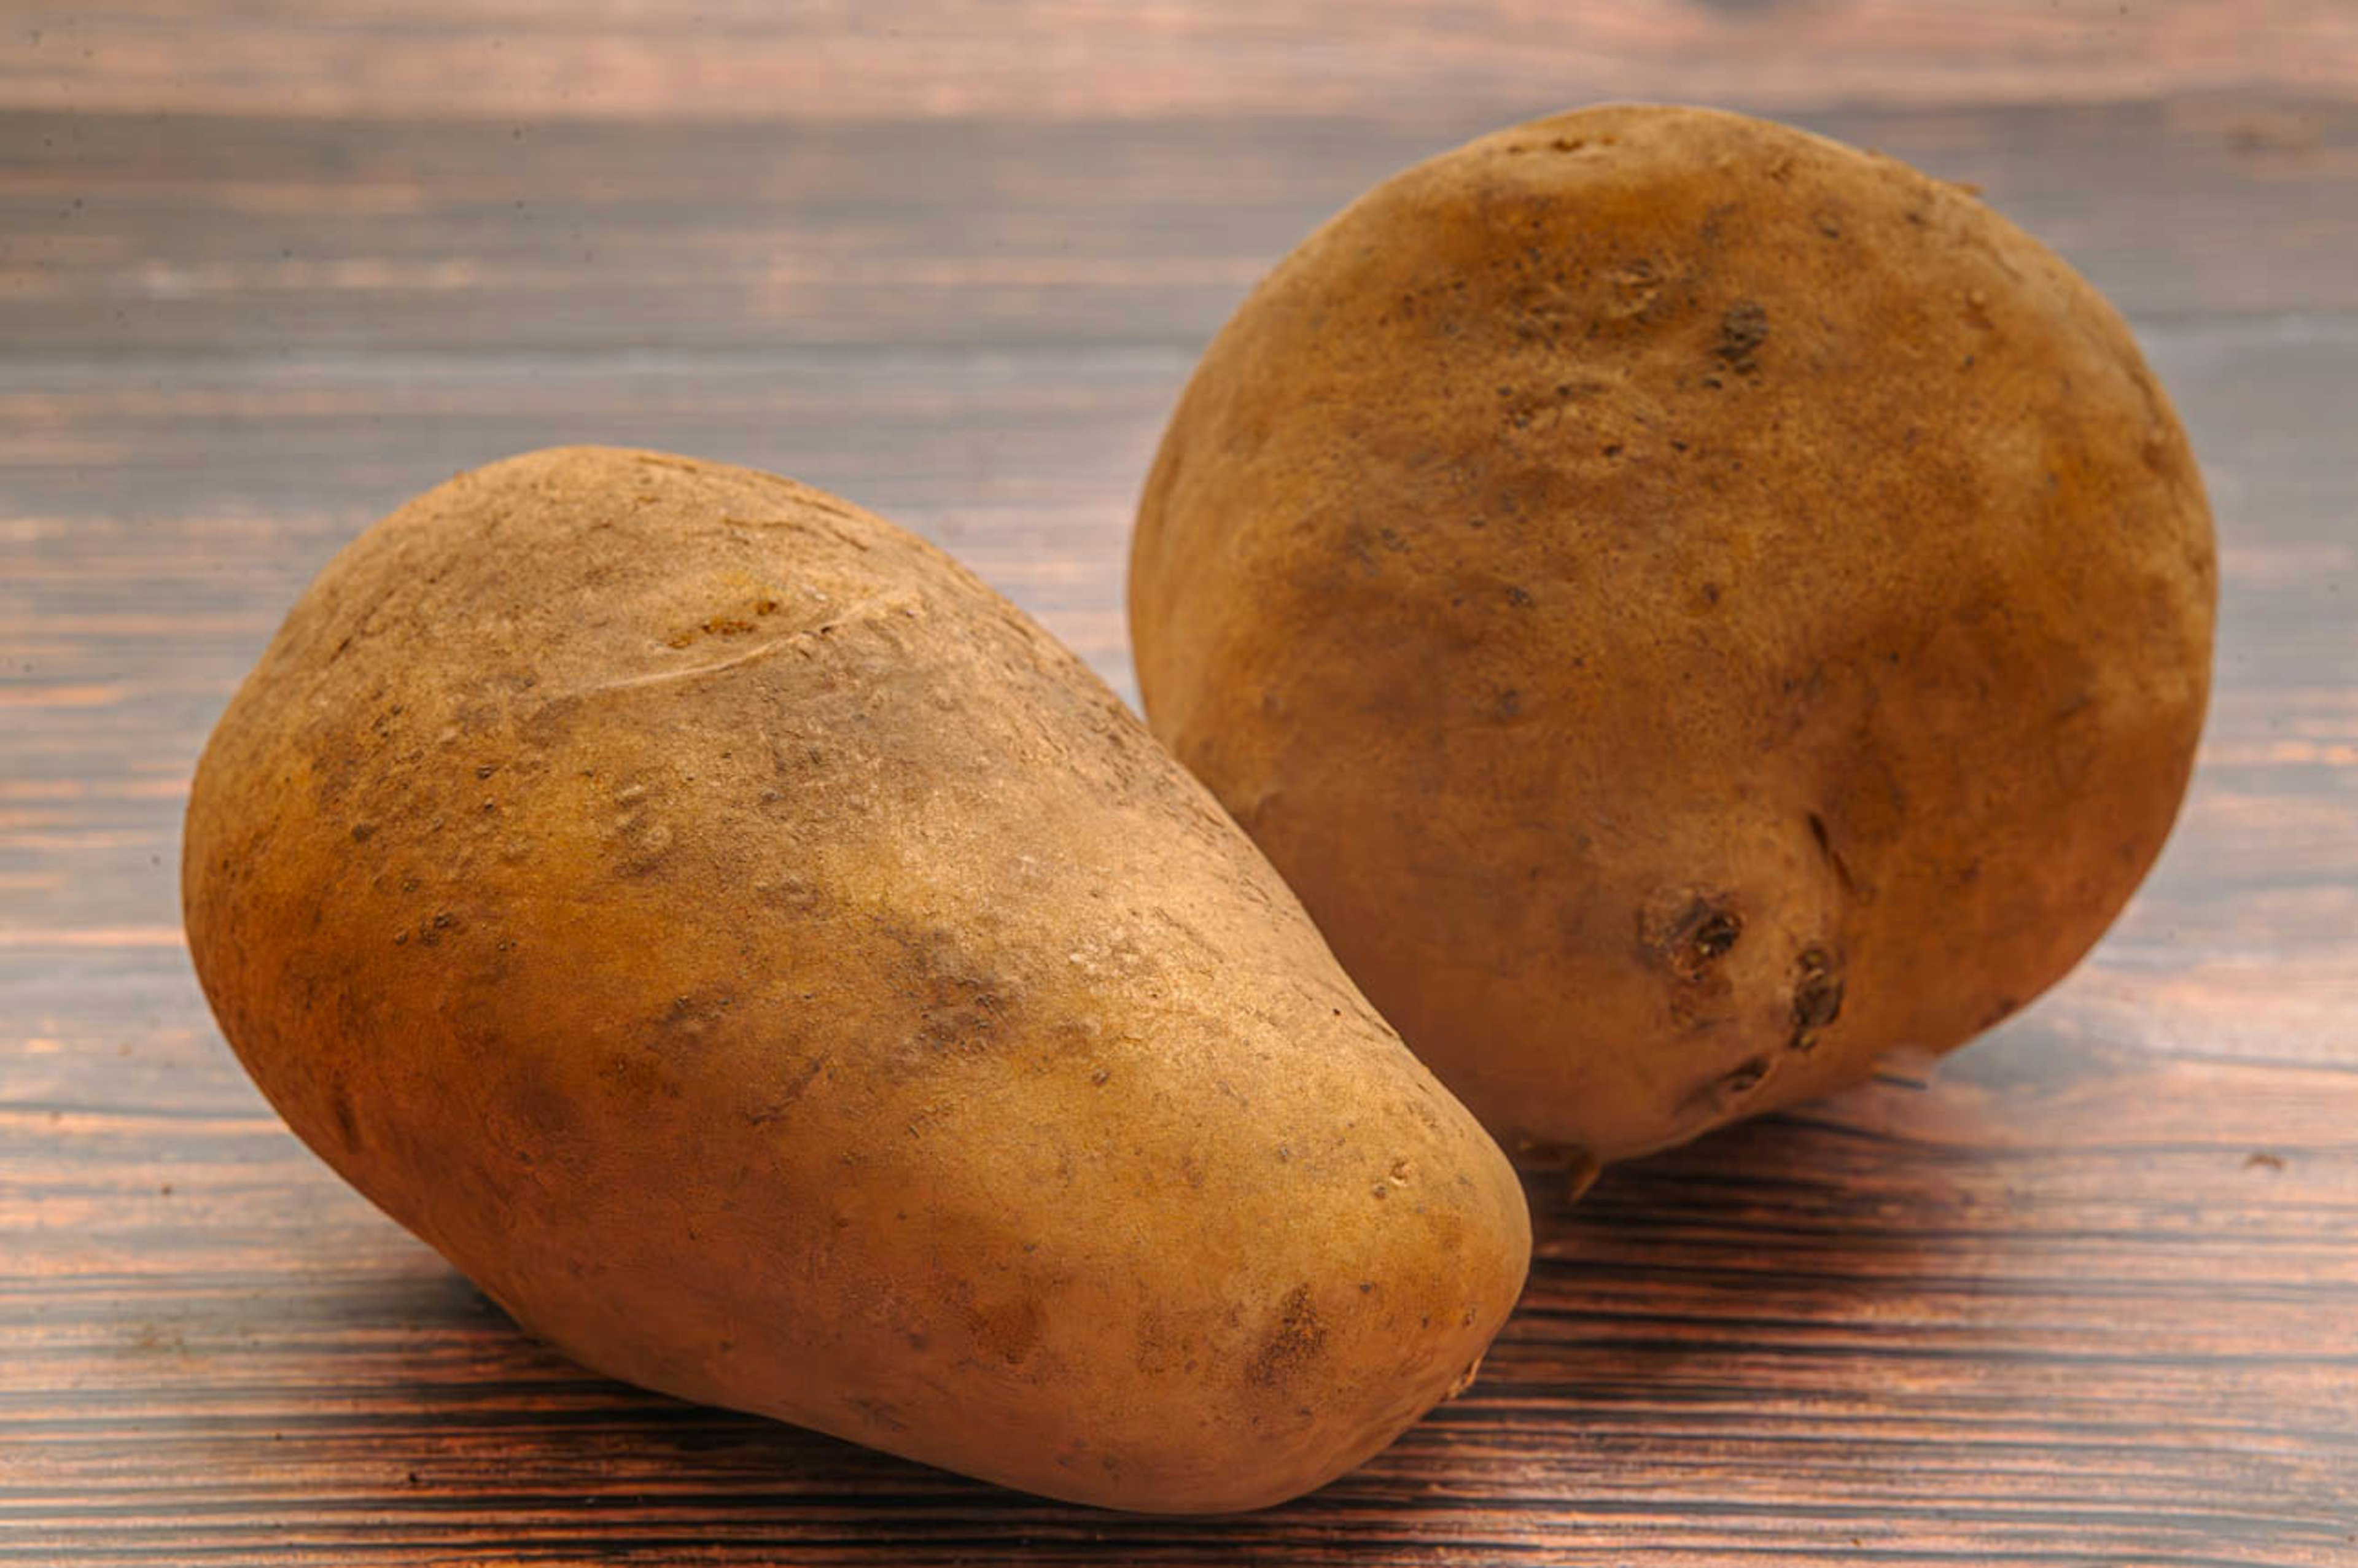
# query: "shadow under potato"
[[1791, 1257]]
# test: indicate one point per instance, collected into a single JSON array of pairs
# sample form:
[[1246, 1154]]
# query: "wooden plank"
[[261, 238], [2050, 1308], [916, 59], [2083, 1293]]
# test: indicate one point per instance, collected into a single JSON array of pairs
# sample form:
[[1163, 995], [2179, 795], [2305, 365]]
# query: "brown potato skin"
[[780, 975], [1690, 607]]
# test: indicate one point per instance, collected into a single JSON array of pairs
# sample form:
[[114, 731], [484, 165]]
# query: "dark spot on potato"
[[1008, 1333], [348, 1130], [1817, 996], [1714, 935], [362, 832], [961, 1002], [1747, 1078], [1742, 330], [1291, 1345], [545, 1111], [1688, 933], [1833, 857]]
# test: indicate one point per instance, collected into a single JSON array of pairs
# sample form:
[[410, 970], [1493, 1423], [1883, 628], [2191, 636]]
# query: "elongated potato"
[[1690, 606], [780, 975]]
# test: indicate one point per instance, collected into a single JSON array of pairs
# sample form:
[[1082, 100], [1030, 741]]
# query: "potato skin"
[[780, 975], [1690, 607]]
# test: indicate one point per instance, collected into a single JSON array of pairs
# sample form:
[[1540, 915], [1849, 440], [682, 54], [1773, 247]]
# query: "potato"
[[780, 975], [1691, 608]]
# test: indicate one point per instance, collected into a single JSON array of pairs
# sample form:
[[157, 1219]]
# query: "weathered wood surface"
[[2087, 1292], [1110, 58]]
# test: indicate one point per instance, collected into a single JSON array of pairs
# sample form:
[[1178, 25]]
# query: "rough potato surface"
[[780, 975], [1690, 606]]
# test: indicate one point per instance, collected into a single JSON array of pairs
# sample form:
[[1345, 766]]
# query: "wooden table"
[[2089, 1292]]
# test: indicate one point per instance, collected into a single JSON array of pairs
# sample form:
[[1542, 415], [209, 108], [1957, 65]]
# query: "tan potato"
[[780, 975], [1690, 607]]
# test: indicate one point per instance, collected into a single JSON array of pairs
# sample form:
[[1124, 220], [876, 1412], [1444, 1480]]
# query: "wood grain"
[[1097, 59], [2087, 1292], [262, 239]]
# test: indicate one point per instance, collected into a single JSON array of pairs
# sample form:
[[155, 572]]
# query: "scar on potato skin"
[[1742, 330], [1688, 931], [340, 1103], [1834, 856], [1748, 1076], [1817, 996], [1296, 1342]]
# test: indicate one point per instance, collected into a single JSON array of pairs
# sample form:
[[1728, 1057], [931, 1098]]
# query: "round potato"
[[1690, 607], [780, 975]]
